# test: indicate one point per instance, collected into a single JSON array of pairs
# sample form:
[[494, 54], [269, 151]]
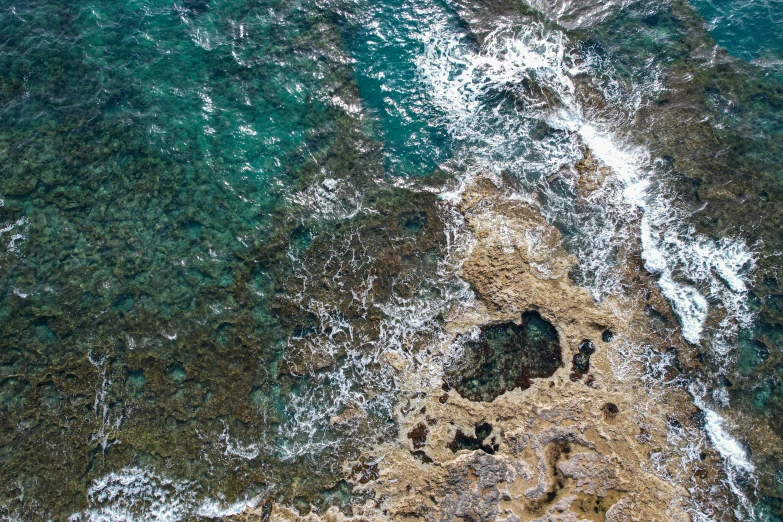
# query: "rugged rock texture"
[[591, 174], [600, 447]]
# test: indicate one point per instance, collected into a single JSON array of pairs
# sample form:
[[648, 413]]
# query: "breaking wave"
[[494, 99], [137, 494], [339, 400]]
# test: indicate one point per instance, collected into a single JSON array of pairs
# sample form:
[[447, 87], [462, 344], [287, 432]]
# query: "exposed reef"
[[543, 447]]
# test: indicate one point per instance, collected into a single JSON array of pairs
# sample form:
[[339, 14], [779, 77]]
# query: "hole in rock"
[[420, 455], [415, 221], [177, 373], [418, 435], [224, 333], [581, 360], [193, 229], [463, 441], [124, 302], [504, 357], [301, 238], [593, 507], [136, 379], [364, 472], [43, 332], [610, 410]]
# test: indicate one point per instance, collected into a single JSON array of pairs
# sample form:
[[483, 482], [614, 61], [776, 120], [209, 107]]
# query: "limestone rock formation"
[[599, 447]]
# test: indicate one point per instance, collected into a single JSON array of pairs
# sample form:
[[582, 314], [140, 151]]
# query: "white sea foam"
[[578, 14], [215, 509], [235, 448], [360, 380], [108, 421], [483, 97], [137, 494], [331, 198], [729, 448], [334, 404], [16, 230], [737, 464]]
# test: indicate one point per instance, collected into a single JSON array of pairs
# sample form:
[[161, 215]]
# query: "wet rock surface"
[[480, 441], [580, 364]]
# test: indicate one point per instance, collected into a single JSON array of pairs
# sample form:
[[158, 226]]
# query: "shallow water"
[[206, 246], [502, 357]]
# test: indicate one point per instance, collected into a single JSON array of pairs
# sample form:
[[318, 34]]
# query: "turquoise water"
[[383, 41], [749, 30], [196, 195]]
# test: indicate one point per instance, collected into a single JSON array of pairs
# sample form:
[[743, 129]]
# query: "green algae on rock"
[[160, 174]]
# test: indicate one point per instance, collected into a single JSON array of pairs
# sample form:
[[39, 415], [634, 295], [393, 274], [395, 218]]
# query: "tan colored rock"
[[348, 415], [591, 174]]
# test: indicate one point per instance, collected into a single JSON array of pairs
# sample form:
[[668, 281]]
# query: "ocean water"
[[217, 217], [749, 30]]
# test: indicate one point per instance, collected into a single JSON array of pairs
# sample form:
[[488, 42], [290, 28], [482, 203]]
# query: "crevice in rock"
[[581, 361]]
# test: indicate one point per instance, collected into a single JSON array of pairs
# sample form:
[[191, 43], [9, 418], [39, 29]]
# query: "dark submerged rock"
[[506, 356], [480, 441]]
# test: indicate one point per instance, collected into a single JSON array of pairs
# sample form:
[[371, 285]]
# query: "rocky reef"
[[589, 440]]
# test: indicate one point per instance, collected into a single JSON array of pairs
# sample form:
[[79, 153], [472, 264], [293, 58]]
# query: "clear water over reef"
[[749, 30], [216, 216]]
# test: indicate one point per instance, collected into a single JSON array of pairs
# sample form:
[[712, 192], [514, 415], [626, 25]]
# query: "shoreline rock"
[[599, 447]]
